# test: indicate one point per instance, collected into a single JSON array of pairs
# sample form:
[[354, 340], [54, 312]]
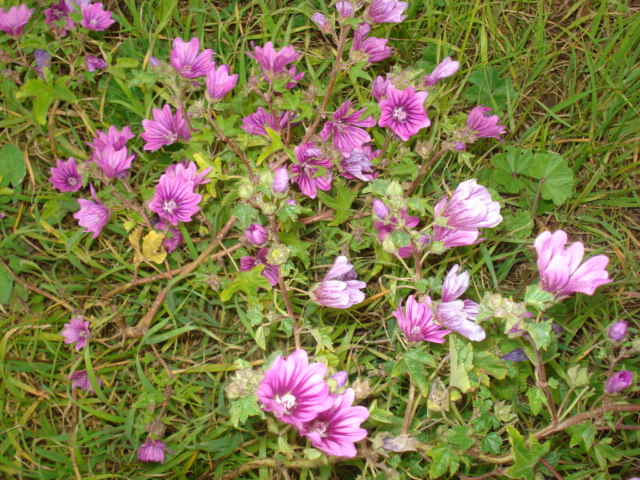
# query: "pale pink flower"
[[76, 331], [310, 160], [65, 176], [219, 82], [165, 128], [94, 17], [340, 287], [376, 49], [387, 11], [152, 451], [92, 215], [445, 69]]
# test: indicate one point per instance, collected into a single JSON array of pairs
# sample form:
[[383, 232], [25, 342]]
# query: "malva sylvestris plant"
[[282, 190]]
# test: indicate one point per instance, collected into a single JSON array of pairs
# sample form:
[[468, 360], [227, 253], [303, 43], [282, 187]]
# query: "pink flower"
[[80, 379], [562, 271], [186, 60], [43, 60], [403, 111], [164, 129], [339, 289], [445, 69], [392, 223], [357, 163], [94, 17], [469, 208], [173, 237], [280, 180], [152, 451], [379, 87], [325, 25], [175, 200], [483, 125], [114, 138], [113, 163], [618, 331], [76, 331], [270, 272], [417, 322], [376, 49], [219, 82], [346, 7], [309, 160], [255, 123], [92, 215], [65, 176], [57, 17], [12, 21], [344, 128], [335, 430], [294, 390], [189, 172], [619, 381], [256, 234], [94, 63], [387, 11], [274, 63], [454, 237]]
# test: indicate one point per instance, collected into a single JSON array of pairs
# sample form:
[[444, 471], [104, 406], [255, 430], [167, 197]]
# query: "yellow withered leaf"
[[134, 240], [152, 248]]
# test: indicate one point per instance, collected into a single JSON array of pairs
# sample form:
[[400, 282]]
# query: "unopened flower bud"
[[395, 190], [436, 247], [401, 443], [618, 331], [245, 191], [619, 381], [380, 209], [341, 378], [517, 355], [278, 255], [280, 180], [256, 234], [268, 208], [244, 382], [388, 245]]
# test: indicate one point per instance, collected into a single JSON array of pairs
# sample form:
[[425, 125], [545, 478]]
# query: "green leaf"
[[443, 459], [461, 354], [525, 457], [381, 416], [276, 144], [6, 286], [323, 338], [491, 443], [459, 436], [356, 71], [487, 88], [243, 408], [485, 362], [536, 399], [556, 176], [510, 166], [249, 282], [538, 298], [341, 203], [519, 225], [583, 434], [540, 333], [418, 374], [12, 166]]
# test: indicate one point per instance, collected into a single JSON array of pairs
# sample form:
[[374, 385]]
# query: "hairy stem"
[[423, 172], [232, 145]]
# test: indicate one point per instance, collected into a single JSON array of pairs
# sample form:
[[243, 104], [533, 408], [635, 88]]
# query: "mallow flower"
[[80, 379], [619, 381], [416, 321], [270, 272], [93, 215], [346, 128], [187, 60], [65, 176], [94, 17], [76, 331], [13, 20], [387, 11], [618, 331], [219, 82], [276, 62], [152, 451], [340, 287], [446, 68], [165, 128], [374, 49], [403, 111], [307, 174], [175, 200]]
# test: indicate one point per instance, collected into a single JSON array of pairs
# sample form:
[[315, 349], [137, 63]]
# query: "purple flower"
[[175, 200], [339, 289], [189, 172], [387, 11], [344, 128], [186, 60], [562, 271], [618, 331], [517, 355], [219, 82], [152, 451], [458, 315], [164, 129], [392, 223], [172, 238], [445, 69], [114, 138], [376, 49], [280, 180], [619, 381], [76, 331], [274, 62], [403, 111], [341, 378], [12, 21], [324, 24], [94, 63], [65, 176], [256, 234], [469, 208], [80, 379], [346, 7], [483, 125], [335, 430], [270, 272], [113, 163], [255, 123], [309, 160], [94, 17], [92, 215], [294, 390], [379, 88], [57, 17], [417, 322], [380, 209], [357, 163], [43, 60]]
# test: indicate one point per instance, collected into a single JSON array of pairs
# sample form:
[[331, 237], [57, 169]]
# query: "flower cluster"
[[110, 151], [296, 393]]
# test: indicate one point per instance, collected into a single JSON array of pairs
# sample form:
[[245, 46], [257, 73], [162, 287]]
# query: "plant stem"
[[407, 413], [423, 172], [542, 382], [232, 145]]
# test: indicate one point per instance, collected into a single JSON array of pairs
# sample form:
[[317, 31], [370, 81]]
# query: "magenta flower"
[[357, 163], [256, 234], [483, 125], [387, 11], [94, 63], [274, 63], [376, 49], [175, 200], [344, 128], [219, 82], [92, 215], [80, 379], [618, 331], [444, 69], [65, 176], [346, 7], [186, 60], [469, 208], [113, 163], [280, 180], [189, 172], [114, 138], [335, 430], [294, 390], [12, 21], [152, 451], [76, 331], [173, 237], [57, 17], [619, 381], [562, 271], [164, 129], [403, 111], [339, 289], [392, 223], [94, 17], [379, 87], [270, 272], [417, 322], [256, 123], [310, 159]]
